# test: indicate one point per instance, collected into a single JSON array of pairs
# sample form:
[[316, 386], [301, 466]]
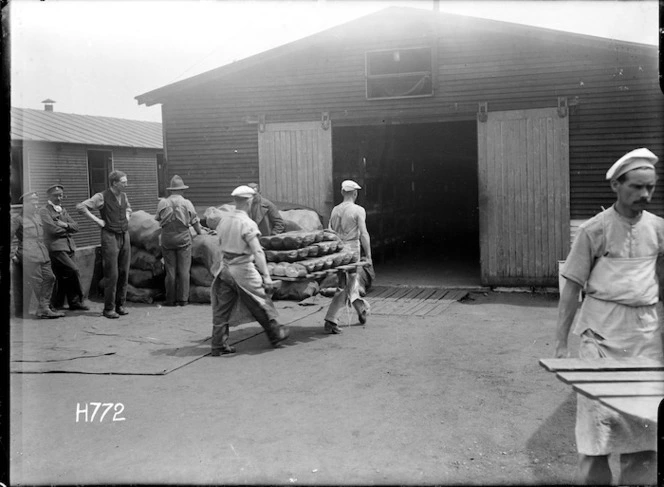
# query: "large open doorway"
[[421, 195]]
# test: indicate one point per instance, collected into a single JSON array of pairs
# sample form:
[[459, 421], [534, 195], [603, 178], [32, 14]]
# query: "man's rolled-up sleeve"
[[579, 262]]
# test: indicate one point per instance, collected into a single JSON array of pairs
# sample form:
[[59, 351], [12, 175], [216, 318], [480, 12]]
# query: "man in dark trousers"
[[175, 215], [265, 214], [114, 209], [614, 258], [243, 276], [59, 229], [31, 265]]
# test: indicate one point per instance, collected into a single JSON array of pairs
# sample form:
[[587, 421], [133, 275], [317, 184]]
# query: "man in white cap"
[[348, 220], [175, 215], [614, 259], [243, 276]]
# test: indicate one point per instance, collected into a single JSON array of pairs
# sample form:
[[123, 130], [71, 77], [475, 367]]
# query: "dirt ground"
[[460, 399]]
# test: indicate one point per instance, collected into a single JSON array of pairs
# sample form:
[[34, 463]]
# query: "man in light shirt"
[[114, 210], [614, 258]]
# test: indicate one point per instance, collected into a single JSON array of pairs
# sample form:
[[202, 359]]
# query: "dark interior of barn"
[[420, 190]]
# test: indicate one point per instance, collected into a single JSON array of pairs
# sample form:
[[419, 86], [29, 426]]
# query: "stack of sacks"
[[205, 261], [146, 269], [298, 255]]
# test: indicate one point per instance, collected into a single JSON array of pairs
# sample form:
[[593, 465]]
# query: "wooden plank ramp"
[[412, 301]]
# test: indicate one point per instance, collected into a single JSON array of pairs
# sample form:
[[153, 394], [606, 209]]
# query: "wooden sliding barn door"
[[295, 164], [523, 166]]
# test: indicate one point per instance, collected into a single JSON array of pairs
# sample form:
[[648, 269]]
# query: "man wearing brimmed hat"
[[175, 215], [59, 228], [613, 258], [31, 266], [114, 209], [265, 214], [348, 220], [243, 276]]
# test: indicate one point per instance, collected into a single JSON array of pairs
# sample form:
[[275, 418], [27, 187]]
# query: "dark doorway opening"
[[420, 190]]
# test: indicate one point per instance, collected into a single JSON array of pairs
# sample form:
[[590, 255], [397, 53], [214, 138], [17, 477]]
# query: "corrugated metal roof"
[[363, 24], [41, 126]]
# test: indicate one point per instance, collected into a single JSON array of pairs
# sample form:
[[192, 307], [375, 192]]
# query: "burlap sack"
[[199, 294], [306, 219], [146, 261], [205, 251], [200, 276], [145, 279], [144, 232]]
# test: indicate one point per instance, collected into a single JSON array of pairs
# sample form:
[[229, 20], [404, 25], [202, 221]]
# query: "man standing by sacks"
[[614, 258], [243, 276], [265, 214], [114, 209], [348, 220], [59, 228], [31, 265], [175, 215]]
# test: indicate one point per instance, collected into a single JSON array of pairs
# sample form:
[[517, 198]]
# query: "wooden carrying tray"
[[633, 386], [322, 273]]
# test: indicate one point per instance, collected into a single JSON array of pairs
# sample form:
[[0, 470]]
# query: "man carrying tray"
[[348, 220], [614, 257], [243, 276]]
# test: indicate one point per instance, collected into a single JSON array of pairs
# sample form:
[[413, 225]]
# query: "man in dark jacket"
[[30, 262], [265, 214], [59, 228], [114, 209]]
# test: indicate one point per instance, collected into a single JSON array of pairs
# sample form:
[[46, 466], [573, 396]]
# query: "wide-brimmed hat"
[[177, 183]]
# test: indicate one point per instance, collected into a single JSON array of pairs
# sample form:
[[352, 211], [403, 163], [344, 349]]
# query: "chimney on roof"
[[48, 105]]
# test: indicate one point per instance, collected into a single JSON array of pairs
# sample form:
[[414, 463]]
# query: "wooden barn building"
[[480, 138], [79, 151]]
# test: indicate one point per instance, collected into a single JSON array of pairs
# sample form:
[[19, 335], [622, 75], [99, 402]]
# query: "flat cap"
[[53, 188], [349, 185], [636, 159], [243, 192]]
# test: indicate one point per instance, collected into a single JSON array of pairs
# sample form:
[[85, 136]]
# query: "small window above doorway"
[[399, 73]]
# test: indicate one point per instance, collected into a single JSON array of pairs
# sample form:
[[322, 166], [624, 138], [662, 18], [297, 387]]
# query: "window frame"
[[109, 167], [368, 77]]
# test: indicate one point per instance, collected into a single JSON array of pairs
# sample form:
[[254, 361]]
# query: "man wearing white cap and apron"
[[348, 220], [614, 257], [243, 276]]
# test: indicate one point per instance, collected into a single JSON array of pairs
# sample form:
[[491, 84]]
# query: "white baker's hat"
[[349, 185], [636, 159], [243, 192]]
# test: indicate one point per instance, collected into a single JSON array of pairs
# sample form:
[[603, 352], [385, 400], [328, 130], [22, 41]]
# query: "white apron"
[[618, 319]]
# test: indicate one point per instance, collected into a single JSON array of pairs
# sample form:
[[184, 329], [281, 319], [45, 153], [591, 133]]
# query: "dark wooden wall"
[[613, 87]]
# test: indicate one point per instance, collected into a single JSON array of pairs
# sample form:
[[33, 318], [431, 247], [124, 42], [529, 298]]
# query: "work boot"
[[48, 313], [121, 310], [80, 306], [109, 313], [224, 350], [332, 328], [280, 335]]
